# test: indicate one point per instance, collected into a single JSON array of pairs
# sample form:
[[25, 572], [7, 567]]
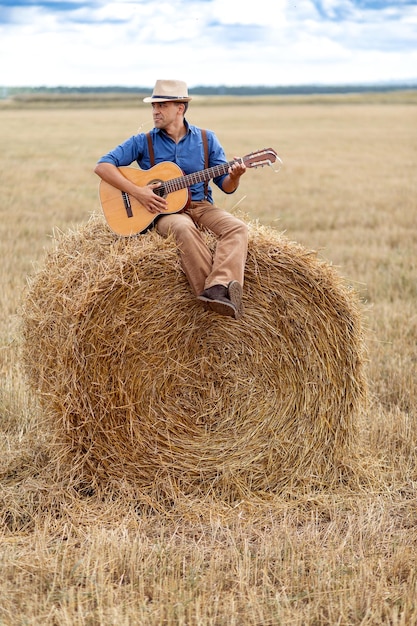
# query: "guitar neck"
[[174, 184]]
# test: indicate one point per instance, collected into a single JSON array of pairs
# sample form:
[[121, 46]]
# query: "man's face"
[[165, 113]]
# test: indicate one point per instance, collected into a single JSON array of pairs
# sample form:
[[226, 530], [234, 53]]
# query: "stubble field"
[[346, 556]]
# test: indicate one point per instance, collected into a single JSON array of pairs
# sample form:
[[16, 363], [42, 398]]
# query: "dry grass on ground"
[[342, 553]]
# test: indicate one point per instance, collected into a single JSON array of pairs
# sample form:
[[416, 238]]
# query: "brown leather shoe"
[[235, 296], [217, 300]]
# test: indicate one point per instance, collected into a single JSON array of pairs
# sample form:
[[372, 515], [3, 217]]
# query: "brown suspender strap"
[[150, 149], [206, 159]]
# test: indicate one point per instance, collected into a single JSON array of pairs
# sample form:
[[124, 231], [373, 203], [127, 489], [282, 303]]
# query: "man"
[[216, 279]]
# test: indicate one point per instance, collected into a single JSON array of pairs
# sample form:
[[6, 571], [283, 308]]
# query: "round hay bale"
[[141, 386]]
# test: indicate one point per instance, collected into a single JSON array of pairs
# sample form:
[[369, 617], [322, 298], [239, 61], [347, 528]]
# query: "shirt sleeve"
[[126, 153]]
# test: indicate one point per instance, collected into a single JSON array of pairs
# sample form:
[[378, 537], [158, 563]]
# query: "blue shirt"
[[188, 154]]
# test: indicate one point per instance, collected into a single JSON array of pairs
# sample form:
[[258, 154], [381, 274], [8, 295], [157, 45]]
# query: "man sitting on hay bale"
[[216, 279]]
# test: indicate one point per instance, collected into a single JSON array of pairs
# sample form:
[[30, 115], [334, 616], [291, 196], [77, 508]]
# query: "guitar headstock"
[[266, 156]]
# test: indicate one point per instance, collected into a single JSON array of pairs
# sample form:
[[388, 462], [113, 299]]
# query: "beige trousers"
[[202, 268]]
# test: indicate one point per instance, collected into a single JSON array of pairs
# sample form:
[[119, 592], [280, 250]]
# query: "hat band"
[[170, 97]]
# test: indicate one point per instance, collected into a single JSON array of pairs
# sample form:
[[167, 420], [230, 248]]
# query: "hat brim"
[[166, 99]]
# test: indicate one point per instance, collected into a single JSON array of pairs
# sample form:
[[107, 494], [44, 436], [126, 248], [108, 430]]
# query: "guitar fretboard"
[[175, 184]]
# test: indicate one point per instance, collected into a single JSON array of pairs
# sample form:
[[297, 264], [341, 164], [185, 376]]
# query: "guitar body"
[[124, 214]]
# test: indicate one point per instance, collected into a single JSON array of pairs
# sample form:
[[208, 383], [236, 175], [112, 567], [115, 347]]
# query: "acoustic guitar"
[[126, 216]]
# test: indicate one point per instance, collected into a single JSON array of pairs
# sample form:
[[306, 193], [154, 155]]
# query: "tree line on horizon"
[[216, 90]]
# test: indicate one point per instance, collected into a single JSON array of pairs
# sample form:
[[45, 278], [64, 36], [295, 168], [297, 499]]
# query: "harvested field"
[[338, 547]]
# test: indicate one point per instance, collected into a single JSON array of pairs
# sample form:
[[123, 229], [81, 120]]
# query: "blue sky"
[[207, 42]]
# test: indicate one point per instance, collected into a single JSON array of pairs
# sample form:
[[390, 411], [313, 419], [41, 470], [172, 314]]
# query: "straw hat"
[[165, 90]]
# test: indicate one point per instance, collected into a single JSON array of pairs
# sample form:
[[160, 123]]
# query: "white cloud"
[[207, 42], [262, 13]]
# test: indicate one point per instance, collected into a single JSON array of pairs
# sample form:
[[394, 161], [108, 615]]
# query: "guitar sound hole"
[[160, 191]]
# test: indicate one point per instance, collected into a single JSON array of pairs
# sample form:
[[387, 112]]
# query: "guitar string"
[[175, 184]]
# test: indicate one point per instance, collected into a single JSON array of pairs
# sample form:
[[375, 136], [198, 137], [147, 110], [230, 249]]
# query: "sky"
[[206, 42]]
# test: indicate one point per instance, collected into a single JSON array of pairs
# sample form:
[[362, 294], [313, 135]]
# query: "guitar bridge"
[[126, 202]]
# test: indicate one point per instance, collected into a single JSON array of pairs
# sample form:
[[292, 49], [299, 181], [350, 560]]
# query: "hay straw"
[[140, 386]]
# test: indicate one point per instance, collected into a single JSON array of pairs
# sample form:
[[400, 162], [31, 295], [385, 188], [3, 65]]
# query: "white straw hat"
[[166, 90]]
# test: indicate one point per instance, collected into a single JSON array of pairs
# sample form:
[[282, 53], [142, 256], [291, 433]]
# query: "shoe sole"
[[235, 295], [222, 308]]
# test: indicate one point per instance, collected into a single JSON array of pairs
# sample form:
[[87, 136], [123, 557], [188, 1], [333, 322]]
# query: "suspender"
[[206, 159], [150, 148], [206, 154]]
